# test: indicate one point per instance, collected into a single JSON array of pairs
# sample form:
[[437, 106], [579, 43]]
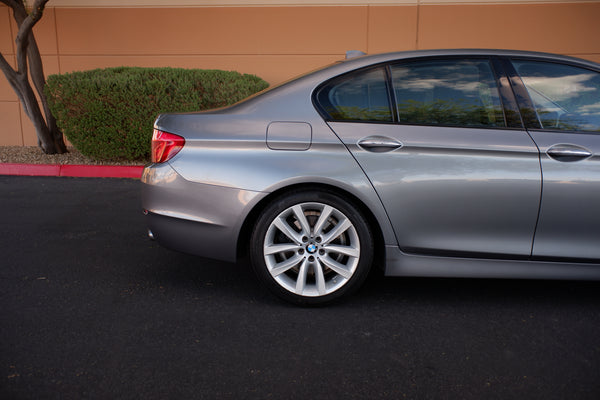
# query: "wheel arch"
[[251, 218]]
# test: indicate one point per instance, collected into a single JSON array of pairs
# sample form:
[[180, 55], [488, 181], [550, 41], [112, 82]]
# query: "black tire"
[[311, 247]]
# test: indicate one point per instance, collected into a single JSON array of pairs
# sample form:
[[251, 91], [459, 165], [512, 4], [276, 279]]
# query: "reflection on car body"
[[454, 163]]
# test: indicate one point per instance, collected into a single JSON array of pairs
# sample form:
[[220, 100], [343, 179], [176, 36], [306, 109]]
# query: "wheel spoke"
[[337, 230], [284, 266], [320, 277], [338, 268], [280, 248], [287, 230], [299, 213], [301, 281], [345, 250], [325, 214]]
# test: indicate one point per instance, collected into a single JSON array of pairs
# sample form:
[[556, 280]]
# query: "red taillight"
[[165, 145]]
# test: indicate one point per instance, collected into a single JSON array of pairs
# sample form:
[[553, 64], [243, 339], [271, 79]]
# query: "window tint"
[[447, 92], [565, 97], [359, 96]]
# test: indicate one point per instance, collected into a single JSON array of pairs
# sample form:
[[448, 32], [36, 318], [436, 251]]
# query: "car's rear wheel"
[[311, 247]]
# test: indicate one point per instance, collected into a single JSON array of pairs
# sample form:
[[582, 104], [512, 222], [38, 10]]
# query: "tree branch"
[[25, 29], [4, 65], [13, 4]]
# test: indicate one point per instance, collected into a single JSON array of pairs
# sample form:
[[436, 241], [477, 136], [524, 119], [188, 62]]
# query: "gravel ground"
[[34, 155]]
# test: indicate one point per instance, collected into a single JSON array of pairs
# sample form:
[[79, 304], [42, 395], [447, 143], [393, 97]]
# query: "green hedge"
[[108, 114]]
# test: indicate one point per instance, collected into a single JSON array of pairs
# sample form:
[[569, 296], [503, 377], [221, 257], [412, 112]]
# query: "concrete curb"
[[80, 171]]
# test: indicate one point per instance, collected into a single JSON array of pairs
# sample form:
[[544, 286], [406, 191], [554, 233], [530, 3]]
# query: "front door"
[[566, 100]]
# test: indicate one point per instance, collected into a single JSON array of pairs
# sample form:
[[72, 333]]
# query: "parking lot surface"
[[91, 309]]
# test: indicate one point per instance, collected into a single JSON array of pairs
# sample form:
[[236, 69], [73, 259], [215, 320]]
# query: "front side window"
[[565, 97], [359, 96], [448, 93]]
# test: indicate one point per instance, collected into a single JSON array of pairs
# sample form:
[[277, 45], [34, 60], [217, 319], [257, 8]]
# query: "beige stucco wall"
[[277, 42]]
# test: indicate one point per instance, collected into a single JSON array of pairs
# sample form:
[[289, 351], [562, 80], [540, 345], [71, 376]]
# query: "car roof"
[[362, 61]]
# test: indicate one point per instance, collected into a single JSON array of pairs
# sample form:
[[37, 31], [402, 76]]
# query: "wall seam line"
[[57, 42], [418, 23], [368, 49]]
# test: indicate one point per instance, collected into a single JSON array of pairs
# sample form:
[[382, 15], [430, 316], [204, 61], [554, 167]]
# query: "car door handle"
[[379, 144], [568, 152]]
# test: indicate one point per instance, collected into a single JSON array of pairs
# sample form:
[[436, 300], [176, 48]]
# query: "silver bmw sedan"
[[453, 163]]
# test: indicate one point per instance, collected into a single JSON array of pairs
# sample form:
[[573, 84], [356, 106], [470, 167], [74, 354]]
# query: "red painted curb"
[[80, 171], [30, 169]]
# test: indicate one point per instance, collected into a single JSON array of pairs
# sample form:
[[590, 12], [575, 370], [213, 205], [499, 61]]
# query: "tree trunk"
[[50, 138], [20, 84]]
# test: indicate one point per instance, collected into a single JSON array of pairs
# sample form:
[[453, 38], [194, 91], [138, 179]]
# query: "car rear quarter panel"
[[195, 218], [226, 168]]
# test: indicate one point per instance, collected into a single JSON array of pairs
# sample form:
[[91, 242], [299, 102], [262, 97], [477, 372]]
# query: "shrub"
[[108, 114]]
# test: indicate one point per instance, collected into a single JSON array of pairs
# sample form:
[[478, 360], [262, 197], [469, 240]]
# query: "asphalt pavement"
[[91, 309]]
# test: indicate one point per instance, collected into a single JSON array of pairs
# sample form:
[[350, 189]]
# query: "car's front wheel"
[[311, 247]]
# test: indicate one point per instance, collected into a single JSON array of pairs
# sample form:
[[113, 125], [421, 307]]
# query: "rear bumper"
[[191, 237], [195, 218]]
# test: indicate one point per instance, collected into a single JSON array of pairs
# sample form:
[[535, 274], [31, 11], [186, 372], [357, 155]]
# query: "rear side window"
[[448, 93], [358, 96], [565, 97]]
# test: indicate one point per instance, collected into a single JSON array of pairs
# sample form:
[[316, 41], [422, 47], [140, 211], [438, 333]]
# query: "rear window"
[[358, 96]]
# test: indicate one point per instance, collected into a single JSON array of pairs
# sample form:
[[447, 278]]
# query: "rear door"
[[454, 176], [564, 102]]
